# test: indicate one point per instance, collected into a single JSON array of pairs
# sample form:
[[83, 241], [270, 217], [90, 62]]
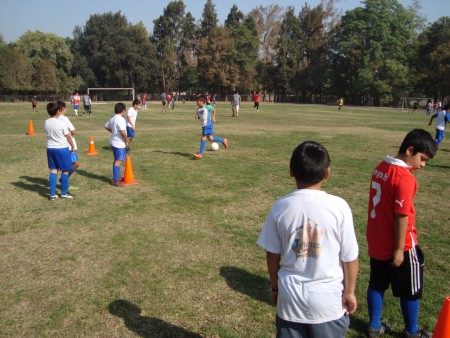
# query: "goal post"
[[414, 102], [133, 95]]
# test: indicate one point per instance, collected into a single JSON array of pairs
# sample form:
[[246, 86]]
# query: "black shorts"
[[406, 280]]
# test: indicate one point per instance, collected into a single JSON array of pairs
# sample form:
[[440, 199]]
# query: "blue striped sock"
[[52, 182]]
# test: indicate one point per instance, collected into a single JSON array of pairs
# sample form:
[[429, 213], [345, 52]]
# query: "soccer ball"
[[214, 146]]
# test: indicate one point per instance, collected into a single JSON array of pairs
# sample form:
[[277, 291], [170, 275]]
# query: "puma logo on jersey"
[[399, 203]]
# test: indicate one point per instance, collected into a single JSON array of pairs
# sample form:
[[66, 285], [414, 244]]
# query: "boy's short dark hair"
[[136, 102], [309, 162], [421, 141], [119, 107], [61, 105], [201, 98], [52, 108]]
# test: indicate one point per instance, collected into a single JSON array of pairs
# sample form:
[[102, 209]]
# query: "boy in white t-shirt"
[[62, 116], [131, 121], [59, 146], [312, 252], [117, 126]]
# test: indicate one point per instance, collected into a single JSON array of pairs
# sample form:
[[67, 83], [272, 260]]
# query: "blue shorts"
[[208, 130], [59, 158], [75, 106], [439, 135], [130, 132], [119, 153], [74, 156]]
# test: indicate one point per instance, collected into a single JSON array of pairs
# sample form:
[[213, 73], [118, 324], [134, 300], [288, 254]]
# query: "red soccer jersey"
[[392, 191], [256, 97]]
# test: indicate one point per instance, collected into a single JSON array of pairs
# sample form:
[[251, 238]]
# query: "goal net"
[[111, 94], [414, 103]]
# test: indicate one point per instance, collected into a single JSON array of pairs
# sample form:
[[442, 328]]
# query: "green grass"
[[176, 255]]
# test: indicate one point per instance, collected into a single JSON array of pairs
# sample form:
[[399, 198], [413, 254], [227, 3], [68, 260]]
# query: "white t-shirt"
[[441, 119], [56, 131], [313, 231], [69, 126], [132, 115], [116, 124]]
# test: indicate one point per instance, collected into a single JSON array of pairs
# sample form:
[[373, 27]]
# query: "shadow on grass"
[[247, 283], [439, 166], [145, 326], [93, 176], [173, 153], [38, 184], [106, 148]]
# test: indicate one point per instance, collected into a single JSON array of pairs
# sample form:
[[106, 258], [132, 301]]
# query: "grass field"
[[176, 255]]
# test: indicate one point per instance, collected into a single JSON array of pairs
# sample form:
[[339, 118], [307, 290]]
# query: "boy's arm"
[[213, 119], [401, 225], [124, 136], [348, 295], [69, 139], [431, 119], [273, 265], [108, 129]]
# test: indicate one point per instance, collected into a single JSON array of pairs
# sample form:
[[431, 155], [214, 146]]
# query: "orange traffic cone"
[[91, 150], [30, 128], [442, 329], [128, 178]]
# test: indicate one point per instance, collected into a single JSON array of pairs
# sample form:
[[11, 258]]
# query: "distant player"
[[144, 101], [235, 104], [87, 104], [164, 101], [76, 103], [117, 126], [207, 120], [341, 103], [34, 103], [442, 118], [256, 101]]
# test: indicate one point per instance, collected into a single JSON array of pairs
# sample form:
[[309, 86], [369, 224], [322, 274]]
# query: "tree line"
[[371, 55]]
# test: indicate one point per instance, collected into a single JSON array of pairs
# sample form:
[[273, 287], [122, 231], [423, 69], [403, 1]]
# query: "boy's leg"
[[202, 145], [375, 306], [410, 312], [286, 329], [64, 182], [336, 328], [223, 141], [116, 170], [53, 178]]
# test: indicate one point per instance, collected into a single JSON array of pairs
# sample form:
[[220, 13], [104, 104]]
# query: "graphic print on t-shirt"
[[307, 241]]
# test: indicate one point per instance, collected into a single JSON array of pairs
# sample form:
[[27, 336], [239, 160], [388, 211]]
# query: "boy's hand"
[[398, 258], [349, 303]]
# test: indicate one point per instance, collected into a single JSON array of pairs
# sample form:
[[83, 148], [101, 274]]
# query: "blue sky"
[[61, 16]]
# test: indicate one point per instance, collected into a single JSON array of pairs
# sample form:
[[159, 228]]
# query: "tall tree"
[[209, 19], [15, 70], [268, 22], [371, 43]]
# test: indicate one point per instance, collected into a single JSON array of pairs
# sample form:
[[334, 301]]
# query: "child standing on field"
[[73, 155], [58, 152], [131, 121], [311, 252], [443, 117], [117, 126], [395, 256], [204, 115]]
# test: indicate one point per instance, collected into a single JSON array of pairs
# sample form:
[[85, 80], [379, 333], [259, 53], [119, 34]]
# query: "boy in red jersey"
[[256, 100], [395, 256]]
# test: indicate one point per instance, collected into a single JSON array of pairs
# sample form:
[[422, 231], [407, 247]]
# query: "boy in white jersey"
[[443, 117], [62, 116], [59, 146], [312, 253], [204, 115], [117, 126], [131, 121]]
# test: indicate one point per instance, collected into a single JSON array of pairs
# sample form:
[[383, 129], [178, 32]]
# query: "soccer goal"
[[414, 103], [129, 93]]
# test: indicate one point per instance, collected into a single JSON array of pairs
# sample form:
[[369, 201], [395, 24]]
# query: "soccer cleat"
[[198, 156], [420, 334], [117, 184], [72, 188], [52, 198], [69, 196], [225, 143], [385, 328]]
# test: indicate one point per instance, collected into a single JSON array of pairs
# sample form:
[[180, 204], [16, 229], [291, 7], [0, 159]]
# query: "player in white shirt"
[[74, 156], [443, 117], [119, 141], [312, 252], [131, 121], [59, 146]]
